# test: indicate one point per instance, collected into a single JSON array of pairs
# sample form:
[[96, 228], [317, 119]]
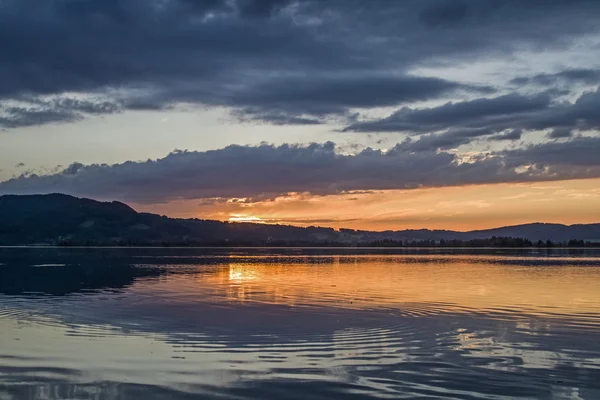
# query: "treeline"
[[195, 243], [490, 242]]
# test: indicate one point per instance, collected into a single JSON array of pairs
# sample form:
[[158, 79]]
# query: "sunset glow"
[[245, 218], [457, 208], [406, 114], [270, 199]]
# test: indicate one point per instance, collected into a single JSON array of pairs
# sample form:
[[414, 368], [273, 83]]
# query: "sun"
[[245, 218]]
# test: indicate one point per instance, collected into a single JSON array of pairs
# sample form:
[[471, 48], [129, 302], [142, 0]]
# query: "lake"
[[299, 323]]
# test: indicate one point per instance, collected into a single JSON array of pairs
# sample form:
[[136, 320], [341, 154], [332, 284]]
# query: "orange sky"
[[457, 208]]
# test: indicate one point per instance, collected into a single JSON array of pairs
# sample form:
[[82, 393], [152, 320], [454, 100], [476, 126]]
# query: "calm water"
[[299, 324]]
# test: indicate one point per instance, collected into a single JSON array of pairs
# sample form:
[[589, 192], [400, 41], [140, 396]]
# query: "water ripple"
[[254, 325]]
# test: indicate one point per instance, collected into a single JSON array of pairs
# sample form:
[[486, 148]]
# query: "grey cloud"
[[454, 138], [27, 116], [265, 170], [249, 8], [335, 94], [274, 117], [569, 76], [295, 60], [559, 133], [564, 159], [311, 100], [474, 113], [84, 106], [37, 112], [455, 122], [444, 13], [261, 8], [434, 141], [513, 134]]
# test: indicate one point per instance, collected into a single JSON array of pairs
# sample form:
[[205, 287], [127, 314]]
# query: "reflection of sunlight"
[[415, 284], [241, 273], [242, 282]]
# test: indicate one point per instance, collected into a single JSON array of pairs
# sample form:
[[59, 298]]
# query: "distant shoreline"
[[66, 221], [595, 246]]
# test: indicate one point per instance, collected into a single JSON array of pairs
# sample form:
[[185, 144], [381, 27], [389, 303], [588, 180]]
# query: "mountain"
[[62, 219], [57, 218], [540, 231]]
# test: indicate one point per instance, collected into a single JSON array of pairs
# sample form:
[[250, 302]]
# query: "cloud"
[[569, 76], [455, 124], [434, 141], [560, 133], [445, 13], [33, 111], [560, 158], [513, 134], [266, 170], [279, 61], [323, 95], [469, 114]]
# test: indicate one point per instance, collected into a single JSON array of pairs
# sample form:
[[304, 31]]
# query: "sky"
[[445, 114]]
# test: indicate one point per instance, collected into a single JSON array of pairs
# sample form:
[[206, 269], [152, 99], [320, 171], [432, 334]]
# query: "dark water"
[[299, 324]]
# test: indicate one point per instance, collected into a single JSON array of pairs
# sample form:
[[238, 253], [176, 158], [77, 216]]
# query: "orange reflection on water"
[[415, 284]]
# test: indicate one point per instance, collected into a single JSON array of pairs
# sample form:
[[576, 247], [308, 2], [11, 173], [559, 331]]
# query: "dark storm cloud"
[[265, 170], [459, 123], [295, 61]]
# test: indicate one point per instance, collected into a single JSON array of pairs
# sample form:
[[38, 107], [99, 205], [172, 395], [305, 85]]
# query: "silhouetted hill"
[[43, 218], [62, 219], [541, 231]]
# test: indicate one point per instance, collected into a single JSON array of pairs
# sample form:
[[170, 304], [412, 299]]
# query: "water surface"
[[299, 324]]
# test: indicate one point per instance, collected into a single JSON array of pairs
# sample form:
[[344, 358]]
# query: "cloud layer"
[[405, 68], [508, 115], [280, 61], [268, 171]]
